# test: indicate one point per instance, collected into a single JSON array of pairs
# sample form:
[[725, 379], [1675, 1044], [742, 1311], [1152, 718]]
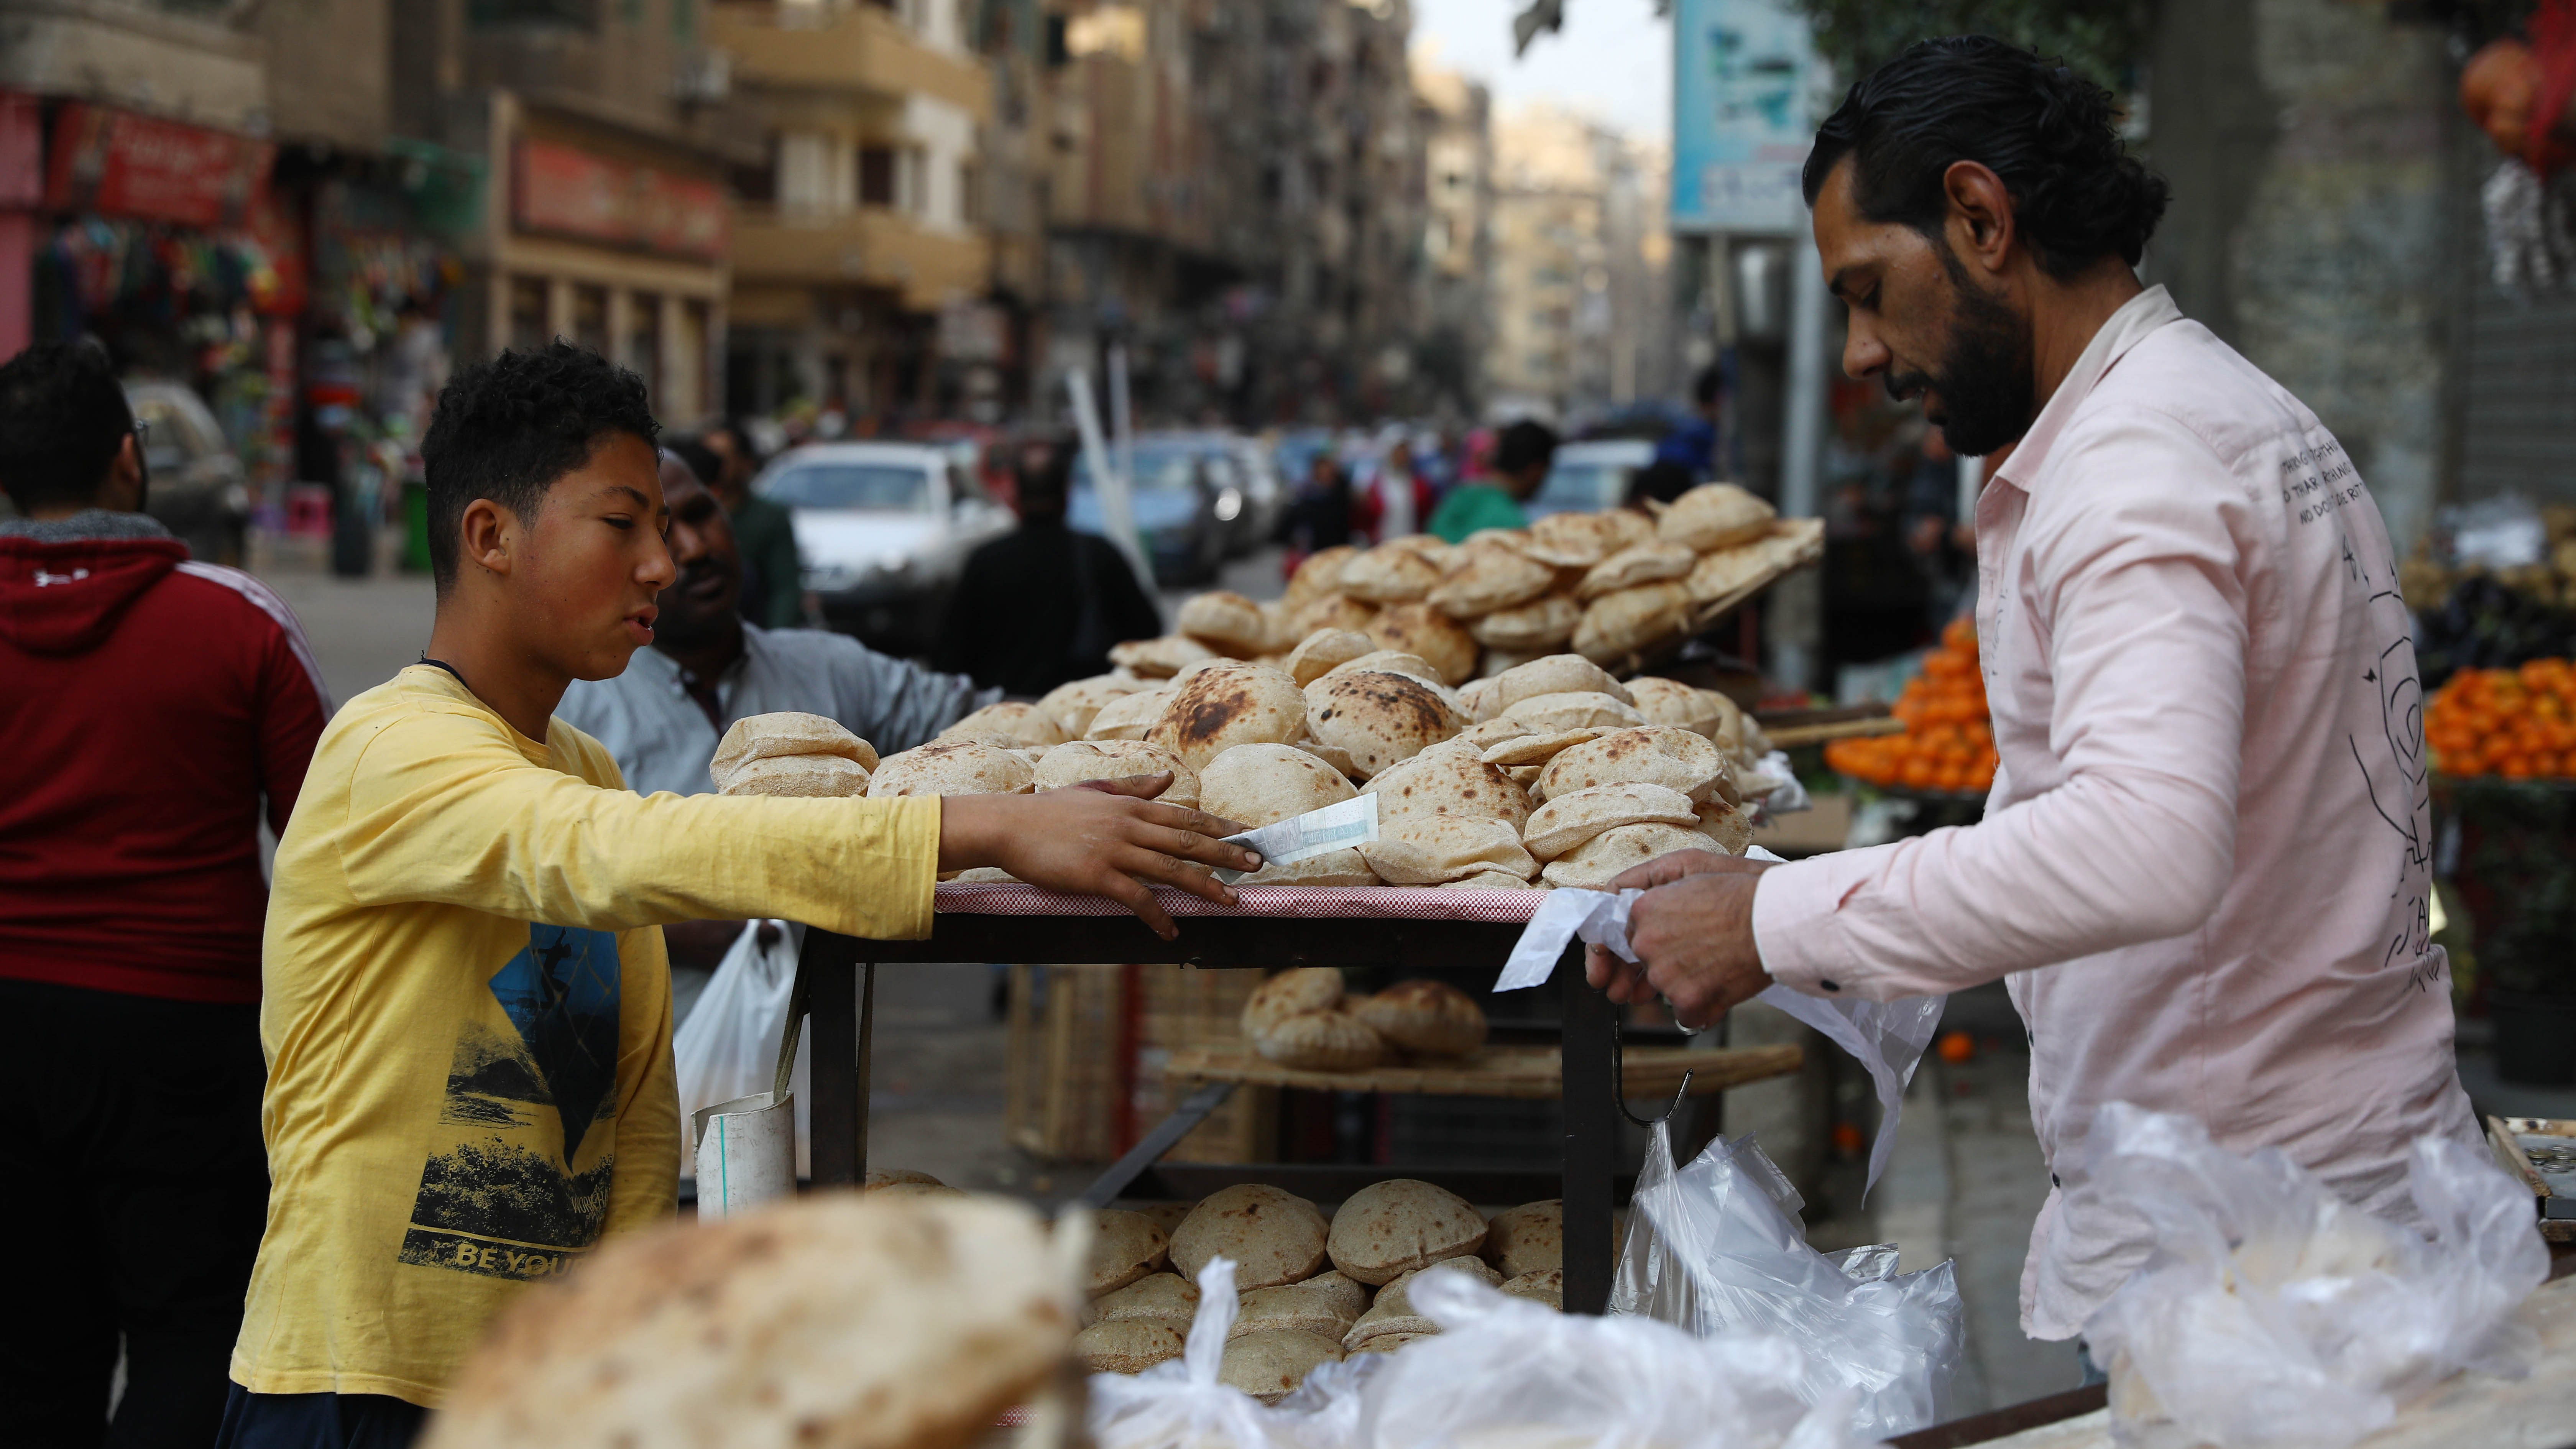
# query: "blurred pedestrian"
[[773, 576], [709, 667], [1692, 447], [1660, 481], [1320, 516], [1932, 531], [1041, 605], [155, 709], [1522, 455], [1402, 494]]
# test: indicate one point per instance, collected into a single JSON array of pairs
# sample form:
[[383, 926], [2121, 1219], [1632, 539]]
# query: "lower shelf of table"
[[1527, 1072], [1332, 1182]]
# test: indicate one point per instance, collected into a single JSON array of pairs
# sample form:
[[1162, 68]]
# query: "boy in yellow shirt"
[[467, 1007]]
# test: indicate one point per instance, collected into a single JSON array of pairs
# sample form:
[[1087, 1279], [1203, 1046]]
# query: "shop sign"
[[570, 192], [117, 163], [1744, 88]]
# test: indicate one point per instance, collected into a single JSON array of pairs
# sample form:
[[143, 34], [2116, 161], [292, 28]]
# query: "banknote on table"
[[1303, 837]]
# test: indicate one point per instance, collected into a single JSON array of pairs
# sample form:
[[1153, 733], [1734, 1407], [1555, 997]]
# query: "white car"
[[1588, 477], [883, 530]]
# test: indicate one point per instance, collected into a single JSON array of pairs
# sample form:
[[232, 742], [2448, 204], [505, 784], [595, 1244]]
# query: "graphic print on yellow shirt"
[[507, 1190]]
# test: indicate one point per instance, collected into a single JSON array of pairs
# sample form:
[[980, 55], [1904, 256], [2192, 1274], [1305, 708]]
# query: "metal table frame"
[[837, 980]]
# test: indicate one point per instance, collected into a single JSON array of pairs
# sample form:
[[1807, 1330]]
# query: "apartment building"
[[1581, 257]]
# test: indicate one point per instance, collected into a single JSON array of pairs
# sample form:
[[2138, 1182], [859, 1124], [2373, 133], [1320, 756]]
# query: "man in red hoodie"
[[150, 708]]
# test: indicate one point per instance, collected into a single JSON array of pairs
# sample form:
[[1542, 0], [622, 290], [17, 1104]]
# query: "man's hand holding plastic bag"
[[2271, 1312]]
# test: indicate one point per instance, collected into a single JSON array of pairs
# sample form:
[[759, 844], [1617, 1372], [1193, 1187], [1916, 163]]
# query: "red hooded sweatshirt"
[[147, 703]]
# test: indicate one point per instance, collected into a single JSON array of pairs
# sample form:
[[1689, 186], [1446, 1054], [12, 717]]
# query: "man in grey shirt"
[[707, 668]]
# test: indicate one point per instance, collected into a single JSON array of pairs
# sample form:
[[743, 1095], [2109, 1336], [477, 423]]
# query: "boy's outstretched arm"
[[1108, 838]]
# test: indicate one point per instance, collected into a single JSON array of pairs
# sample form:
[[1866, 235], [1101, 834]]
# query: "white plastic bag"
[[1507, 1372], [2271, 1312], [1178, 1404], [1717, 1248], [728, 1047]]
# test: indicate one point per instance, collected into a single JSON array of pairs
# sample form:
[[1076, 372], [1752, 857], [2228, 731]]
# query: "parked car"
[[1250, 496], [884, 530], [197, 490], [1588, 477], [1185, 500]]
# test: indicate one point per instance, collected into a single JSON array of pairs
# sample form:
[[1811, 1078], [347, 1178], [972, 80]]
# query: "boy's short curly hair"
[[2077, 194], [508, 428]]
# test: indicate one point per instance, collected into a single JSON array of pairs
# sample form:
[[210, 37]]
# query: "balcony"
[[870, 247], [860, 48]]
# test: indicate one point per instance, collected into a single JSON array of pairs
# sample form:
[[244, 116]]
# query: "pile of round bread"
[[1315, 1290], [1551, 772], [1302, 1018], [1609, 586]]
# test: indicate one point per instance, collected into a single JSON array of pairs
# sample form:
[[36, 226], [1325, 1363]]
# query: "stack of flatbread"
[[1301, 1018], [1318, 1289], [1612, 586]]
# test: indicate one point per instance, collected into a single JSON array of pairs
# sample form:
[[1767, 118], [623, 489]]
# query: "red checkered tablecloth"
[[1384, 903]]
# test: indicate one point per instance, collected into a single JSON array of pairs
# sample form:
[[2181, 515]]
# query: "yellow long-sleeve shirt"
[[467, 1016]]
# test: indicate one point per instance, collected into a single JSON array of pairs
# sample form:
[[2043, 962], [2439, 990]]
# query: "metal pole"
[[1592, 1134], [1117, 512], [1802, 435]]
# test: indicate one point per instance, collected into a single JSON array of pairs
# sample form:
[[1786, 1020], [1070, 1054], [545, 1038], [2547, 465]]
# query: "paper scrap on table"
[[1303, 837], [1887, 1037]]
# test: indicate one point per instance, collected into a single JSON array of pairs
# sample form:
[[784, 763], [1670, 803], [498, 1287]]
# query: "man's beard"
[[1985, 378]]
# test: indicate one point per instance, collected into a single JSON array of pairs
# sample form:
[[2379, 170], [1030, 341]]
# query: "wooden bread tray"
[[1499, 1071]]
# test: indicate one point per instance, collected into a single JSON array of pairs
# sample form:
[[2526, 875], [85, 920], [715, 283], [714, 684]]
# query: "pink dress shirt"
[[2205, 861]]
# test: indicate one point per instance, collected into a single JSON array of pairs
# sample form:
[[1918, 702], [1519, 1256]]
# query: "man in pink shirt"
[[2205, 862]]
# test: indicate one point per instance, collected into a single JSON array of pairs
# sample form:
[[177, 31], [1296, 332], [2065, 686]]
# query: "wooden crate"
[[1087, 1049]]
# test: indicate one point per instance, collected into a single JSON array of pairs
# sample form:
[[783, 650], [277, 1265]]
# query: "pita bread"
[[952, 767], [1384, 1343], [1795, 542], [1653, 755], [1158, 658], [1265, 784], [1427, 633], [1331, 611], [1348, 1296], [1602, 859], [1713, 516], [1727, 571], [1380, 719], [1226, 622], [1727, 826], [1626, 527], [1125, 1247], [1389, 1228], [1012, 724], [1573, 710], [1321, 1041], [1481, 700], [1129, 716], [1440, 781], [1393, 661], [786, 734], [1490, 733], [1532, 750], [1430, 849], [1339, 759], [1671, 702], [1490, 576], [1489, 880], [1425, 1018], [1079, 761], [1539, 1285], [1570, 540], [1167, 1216], [894, 1176], [1643, 563], [1554, 674], [1619, 624], [837, 1321], [1293, 1307], [1293, 992], [797, 777], [1224, 706], [1390, 575], [1274, 1237], [1269, 1363], [1398, 1293], [1319, 575], [1333, 868], [1527, 1239], [916, 1189], [1165, 1297], [1568, 820], [983, 875], [1126, 1346], [1542, 623], [1323, 650], [1073, 705]]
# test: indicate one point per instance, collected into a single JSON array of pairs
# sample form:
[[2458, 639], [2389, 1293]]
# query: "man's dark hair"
[[508, 428], [1661, 481], [1710, 382], [1525, 444], [1043, 469], [701, 460], [62, 418], [2077, 194]]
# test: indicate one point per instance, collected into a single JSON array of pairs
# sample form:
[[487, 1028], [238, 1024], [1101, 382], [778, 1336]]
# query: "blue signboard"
[[1744, 75]]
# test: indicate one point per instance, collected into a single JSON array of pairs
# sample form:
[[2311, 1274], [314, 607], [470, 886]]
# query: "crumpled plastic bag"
[[1718, 1248], [1178, 1404], [1505, 1373], [2272, 1312]]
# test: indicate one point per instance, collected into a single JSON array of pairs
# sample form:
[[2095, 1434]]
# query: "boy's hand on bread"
[[1107, 837]]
